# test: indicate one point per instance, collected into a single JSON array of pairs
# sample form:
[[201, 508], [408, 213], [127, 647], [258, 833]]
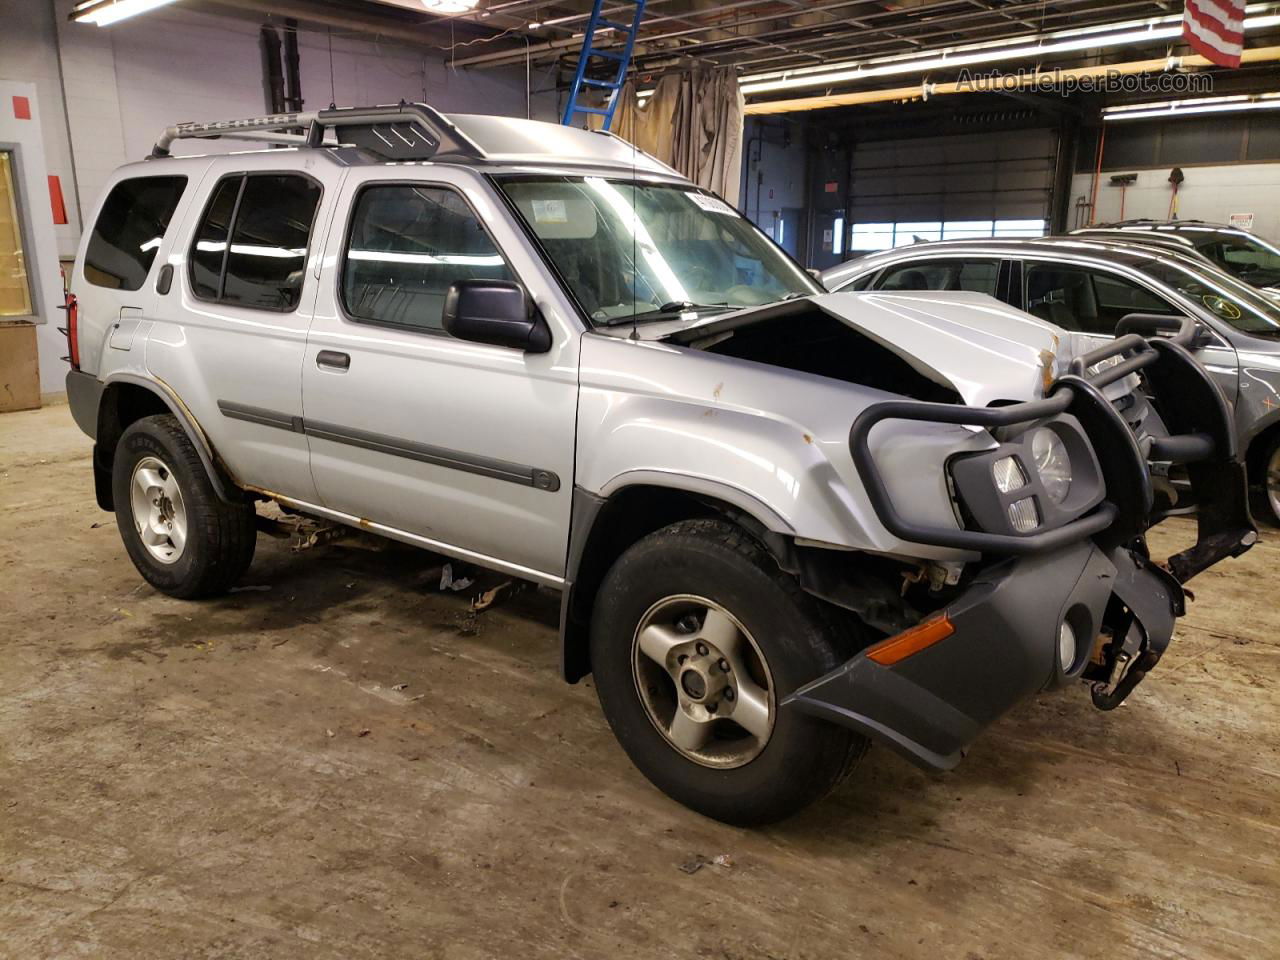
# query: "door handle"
[[333, 360]]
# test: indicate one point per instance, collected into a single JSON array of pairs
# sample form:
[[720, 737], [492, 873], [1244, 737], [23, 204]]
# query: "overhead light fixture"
[[1199, 105], [449, 7], [1099, 36], [104, 14]]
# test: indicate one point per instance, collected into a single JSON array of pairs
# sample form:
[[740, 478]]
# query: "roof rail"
[[406, 131]]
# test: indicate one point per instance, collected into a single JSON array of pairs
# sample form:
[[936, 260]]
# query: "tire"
[[711, 580], [1268, 499], [218, 538]]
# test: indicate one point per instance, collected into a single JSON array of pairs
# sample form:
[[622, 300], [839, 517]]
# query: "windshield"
[[632, 251], [1249, 258], [1229, 300]]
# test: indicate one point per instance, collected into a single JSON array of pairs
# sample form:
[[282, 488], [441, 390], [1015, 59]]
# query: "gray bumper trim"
[[932, 705]]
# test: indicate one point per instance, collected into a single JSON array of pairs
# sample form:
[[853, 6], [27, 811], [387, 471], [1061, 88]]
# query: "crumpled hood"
[[982, 348], [977, 346]]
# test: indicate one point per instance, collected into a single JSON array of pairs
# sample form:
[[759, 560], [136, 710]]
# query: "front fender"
[[772, 442]]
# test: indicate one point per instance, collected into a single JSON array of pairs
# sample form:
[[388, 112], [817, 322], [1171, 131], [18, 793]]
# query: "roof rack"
[[406, 131]]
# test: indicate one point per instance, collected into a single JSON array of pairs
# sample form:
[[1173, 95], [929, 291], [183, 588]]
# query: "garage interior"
[[343, 757]]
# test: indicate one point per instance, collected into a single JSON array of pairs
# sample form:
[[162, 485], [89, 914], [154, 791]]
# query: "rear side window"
[[251, 244], [130, 227], [406, 246], [978, 276]]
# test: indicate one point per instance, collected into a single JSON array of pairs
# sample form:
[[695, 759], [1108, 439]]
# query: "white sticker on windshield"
[[550, 211], [711, 204]]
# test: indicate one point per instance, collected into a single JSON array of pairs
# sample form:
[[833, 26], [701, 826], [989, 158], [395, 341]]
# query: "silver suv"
[[783, 522]]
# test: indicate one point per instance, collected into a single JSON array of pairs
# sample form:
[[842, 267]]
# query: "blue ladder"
[[623, 59]]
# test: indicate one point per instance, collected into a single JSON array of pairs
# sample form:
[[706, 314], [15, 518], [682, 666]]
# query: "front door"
[[468, 447], [1092, 300]]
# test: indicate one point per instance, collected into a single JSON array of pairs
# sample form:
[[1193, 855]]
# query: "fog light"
[[1066, 646], [1008, 475], [1023, 515]]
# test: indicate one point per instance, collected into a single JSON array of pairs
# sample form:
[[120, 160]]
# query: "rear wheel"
[[183, 539], [696, 639]]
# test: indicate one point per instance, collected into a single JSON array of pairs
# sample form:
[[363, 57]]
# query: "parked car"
[[1090, 285], [783, 522], [1244, 255]]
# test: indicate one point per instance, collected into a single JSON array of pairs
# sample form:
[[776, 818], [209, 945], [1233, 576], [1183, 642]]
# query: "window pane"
[[211, 239], [269, 242], [1121, 296], [906, 234], [978, 276], [15, 290], [837, 236], [408, 244], [1065, 296], [1019, 228], [960, 229], [130, 227], [871, 236]]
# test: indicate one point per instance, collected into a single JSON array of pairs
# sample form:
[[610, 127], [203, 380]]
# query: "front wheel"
[[1271, 482], [183, 539], [696, 638]]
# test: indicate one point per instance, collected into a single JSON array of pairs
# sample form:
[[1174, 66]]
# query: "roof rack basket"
[[407, 131]]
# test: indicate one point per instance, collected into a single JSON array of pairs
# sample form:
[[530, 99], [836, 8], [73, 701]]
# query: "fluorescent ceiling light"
[[105, 14], [1062, 41], [449, 6], [1182, 108]]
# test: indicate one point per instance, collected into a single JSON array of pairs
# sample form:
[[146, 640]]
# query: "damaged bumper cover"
[[1078, 599]]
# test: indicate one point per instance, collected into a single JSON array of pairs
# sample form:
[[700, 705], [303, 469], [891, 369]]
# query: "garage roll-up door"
[[985, 181]]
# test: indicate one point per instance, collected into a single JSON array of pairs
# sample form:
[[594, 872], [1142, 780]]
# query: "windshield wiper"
[[664, 311]]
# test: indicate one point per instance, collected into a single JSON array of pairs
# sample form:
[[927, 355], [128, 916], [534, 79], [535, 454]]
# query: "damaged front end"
[[1065, 589]]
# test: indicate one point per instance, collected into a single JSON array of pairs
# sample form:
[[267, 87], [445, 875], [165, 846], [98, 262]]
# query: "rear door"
[[1092, 299], [235, 319], [468, 447]]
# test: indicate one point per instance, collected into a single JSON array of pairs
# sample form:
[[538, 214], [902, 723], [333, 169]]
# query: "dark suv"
[[1242, 254]]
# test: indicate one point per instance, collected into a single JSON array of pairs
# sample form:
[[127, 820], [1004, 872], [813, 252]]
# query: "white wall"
[[29, 54], [25, 139], [1208, 193], [105, 94]]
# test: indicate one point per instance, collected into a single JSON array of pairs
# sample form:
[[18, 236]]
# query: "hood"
[[970, 343]]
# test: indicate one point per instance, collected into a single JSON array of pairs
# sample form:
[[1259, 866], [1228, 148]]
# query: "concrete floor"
[[245, 777]]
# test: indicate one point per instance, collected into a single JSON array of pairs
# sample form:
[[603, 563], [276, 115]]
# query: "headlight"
[[1052, 463]]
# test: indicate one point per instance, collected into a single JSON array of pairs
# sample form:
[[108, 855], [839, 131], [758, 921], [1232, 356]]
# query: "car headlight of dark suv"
[[1039, 477]]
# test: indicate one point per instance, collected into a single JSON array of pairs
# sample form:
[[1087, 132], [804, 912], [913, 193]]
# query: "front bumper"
[[1089, 570], [1004, 647]]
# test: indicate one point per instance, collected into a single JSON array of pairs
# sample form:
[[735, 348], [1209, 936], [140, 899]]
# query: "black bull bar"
[[1201, 436]]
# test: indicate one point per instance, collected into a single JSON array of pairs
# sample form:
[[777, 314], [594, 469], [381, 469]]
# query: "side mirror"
[[498, 312]]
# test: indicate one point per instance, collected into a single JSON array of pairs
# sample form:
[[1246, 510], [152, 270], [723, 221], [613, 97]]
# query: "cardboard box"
[[19, 367]]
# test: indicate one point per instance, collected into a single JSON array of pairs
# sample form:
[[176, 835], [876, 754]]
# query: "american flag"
[[1215, 29]]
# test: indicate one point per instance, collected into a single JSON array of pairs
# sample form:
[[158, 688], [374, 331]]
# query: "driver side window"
[[1090, 301]]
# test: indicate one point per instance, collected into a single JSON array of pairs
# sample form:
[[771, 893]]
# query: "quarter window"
[[129, 230], [407, 245], [978, 276], [251, 244]]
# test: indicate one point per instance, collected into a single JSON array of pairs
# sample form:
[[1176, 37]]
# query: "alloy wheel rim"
[[159, 513], [703, 681], [1273, 482]]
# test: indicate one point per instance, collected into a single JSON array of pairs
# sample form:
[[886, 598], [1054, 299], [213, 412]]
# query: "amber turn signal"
[[903, 645]]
